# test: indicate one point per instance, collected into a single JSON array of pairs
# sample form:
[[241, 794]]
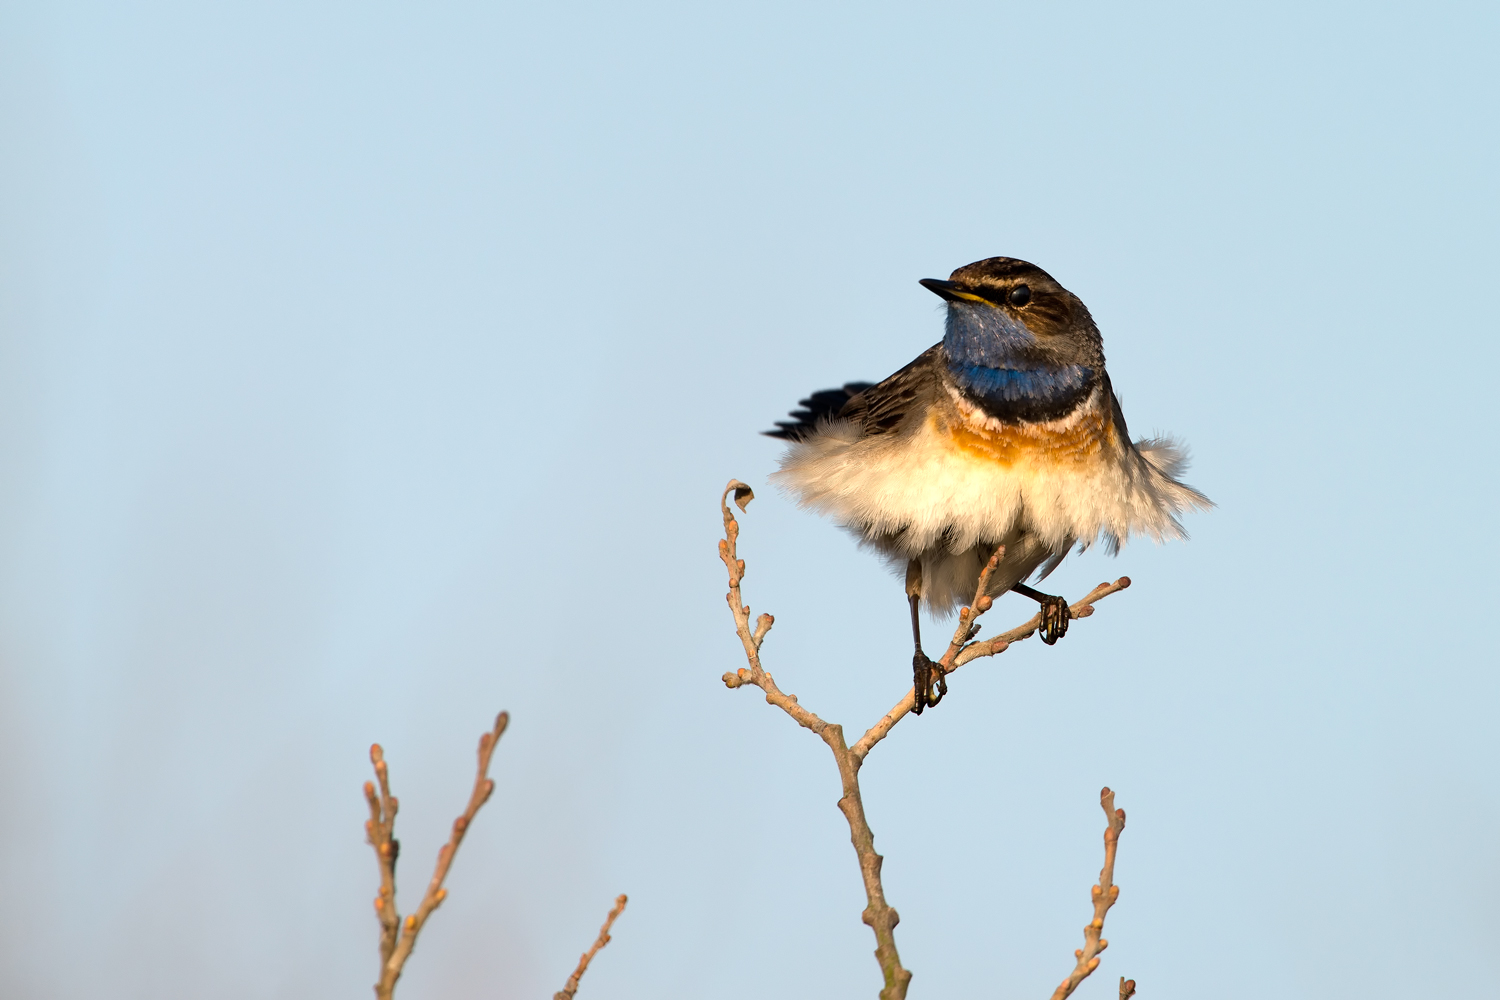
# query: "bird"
[[1007, 433]]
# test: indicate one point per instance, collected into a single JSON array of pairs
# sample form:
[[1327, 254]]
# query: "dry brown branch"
[[961, 651], [1105, 894], [397, 936], [879, 915], [1127, 988], [566, 993]]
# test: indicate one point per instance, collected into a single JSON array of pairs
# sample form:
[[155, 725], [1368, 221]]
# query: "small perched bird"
[[1005, 433]]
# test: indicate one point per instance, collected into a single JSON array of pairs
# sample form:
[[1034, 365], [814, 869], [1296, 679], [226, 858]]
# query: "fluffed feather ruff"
[[950, 488]]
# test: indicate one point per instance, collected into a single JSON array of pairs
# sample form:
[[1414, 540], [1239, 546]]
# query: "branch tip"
[[742, 495], [571, 987], [1103, 895], [398, 936]]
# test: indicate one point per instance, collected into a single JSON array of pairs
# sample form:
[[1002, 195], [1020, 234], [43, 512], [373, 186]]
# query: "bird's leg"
[[927, 681], [1055, 613]]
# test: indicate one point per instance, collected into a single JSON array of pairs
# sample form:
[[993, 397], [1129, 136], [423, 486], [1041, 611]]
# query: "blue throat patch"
[[983, 335], [985, 349], [1046, 387]]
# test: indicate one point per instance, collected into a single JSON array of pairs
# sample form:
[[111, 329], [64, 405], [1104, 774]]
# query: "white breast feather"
[[918, 481]]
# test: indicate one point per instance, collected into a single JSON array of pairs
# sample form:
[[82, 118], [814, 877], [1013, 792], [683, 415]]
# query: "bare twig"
[[566, 993], [961, 650], [1105, 894], [397, 936], [879, 915], [1000, 643]]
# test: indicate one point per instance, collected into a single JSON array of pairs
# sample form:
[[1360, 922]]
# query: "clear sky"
[[366, 368]]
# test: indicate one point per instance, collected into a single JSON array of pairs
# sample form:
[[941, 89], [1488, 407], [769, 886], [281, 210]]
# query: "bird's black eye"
[[1020, 295]]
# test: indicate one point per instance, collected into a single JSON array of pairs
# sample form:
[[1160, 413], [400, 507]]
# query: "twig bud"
[[1093, 964], [984, 603]]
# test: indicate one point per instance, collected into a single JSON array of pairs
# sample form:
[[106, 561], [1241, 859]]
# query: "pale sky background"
[[368, 368]]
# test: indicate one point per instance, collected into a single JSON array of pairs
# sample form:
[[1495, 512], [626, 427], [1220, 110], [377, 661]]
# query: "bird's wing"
[[1116, 413], [821, 405], [881, 408]]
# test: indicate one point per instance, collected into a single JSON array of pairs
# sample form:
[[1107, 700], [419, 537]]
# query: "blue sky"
[[368, 368]]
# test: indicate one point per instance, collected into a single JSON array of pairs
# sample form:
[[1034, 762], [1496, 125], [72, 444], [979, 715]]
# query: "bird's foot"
[[1055, 617], [928, 682], [1055, 613]]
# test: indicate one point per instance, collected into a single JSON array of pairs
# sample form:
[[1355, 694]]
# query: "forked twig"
[[961, 650], [1105, 894], [571, 987], [397, 936], [879, 915]]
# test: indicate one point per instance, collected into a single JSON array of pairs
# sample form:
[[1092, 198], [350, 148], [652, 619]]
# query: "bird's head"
[[1017, 339], [1007, 313]]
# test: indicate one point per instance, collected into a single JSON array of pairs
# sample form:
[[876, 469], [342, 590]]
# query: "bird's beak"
[[950, 290]]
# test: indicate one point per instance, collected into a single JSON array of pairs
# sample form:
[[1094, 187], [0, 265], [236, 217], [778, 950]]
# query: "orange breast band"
[[1040, 444]]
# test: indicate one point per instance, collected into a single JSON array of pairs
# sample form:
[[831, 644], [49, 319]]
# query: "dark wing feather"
[[877, 409], [880, 409], [1117, 413], [821, 405]]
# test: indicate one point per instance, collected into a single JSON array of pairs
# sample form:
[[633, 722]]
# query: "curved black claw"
[[1055, 617], [928, 682]]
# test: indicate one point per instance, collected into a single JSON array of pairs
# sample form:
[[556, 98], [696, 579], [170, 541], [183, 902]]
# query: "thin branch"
[[397, 936], [566, 993], [960, 651], [966, 631], [1105, 894], [879, 915], [1000, 643]]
